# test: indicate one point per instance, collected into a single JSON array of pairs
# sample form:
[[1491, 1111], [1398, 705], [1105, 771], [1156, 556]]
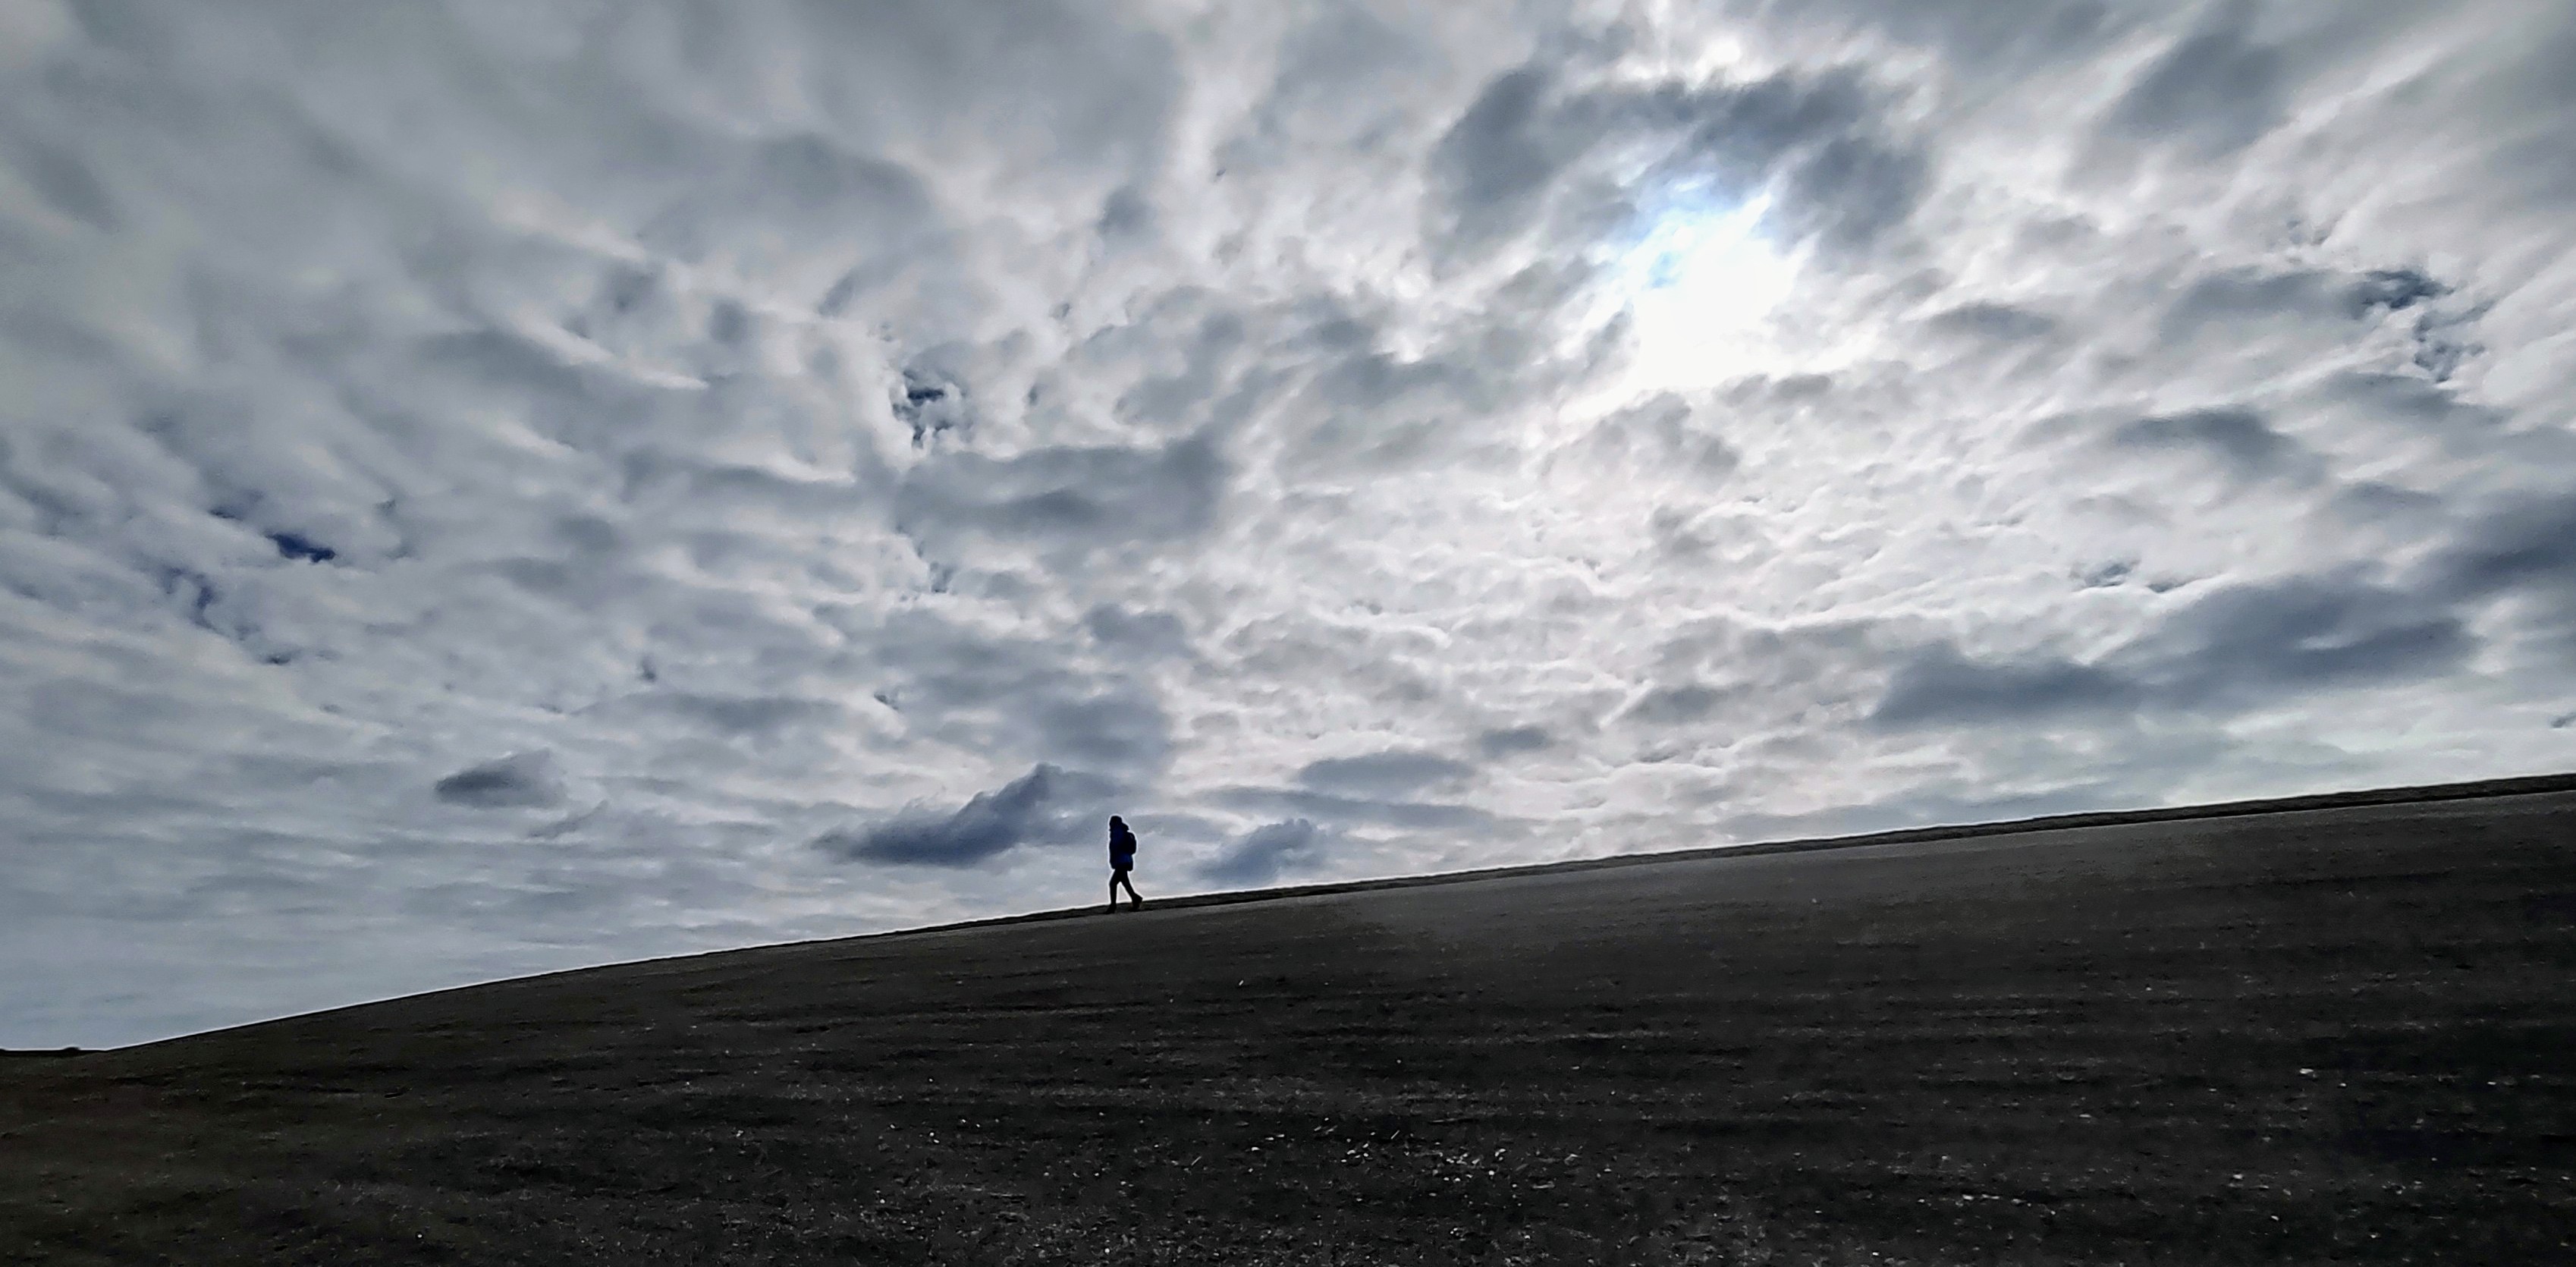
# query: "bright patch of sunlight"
[[1697, 287]]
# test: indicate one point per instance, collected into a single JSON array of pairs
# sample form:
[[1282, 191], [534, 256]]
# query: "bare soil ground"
[[2329, 1035]]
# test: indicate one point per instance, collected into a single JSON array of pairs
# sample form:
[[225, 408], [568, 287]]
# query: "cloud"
[[988, 825], [1939, 685], [2236, 647], [1393, 773], [1258, 857], [1111, 731], [2215, 91], [1497, 158], [1509, 740], [738, 715], [1821, 141], [1356, 811], [2528, 544], [1676, 704], [1149, 634], [1664, 432], [1071, 497], [520, 780], [2003, 323], [2255, 641], [2237, 438]]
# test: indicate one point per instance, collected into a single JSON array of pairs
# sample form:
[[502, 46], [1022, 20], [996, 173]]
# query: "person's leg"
[[1114, 877]]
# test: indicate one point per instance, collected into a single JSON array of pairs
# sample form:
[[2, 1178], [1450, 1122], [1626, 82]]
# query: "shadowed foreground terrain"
[[2327, 1035]]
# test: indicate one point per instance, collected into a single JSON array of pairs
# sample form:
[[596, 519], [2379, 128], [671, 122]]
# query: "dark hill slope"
[[2314, 1035]]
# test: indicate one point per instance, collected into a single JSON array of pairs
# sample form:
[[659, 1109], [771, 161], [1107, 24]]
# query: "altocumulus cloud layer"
[[491, 486]]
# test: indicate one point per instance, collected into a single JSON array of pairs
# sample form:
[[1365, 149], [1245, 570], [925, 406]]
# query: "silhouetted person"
[[1122, 859]]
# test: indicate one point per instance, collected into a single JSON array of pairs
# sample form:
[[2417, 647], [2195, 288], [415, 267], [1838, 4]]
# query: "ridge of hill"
[[2518, 785]]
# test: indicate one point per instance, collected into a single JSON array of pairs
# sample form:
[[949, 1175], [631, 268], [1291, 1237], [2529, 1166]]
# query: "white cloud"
[[842, 439]]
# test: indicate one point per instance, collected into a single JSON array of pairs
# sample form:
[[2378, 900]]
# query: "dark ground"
[[2344, 1035]]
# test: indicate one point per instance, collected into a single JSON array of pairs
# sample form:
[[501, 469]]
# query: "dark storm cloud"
[[1257, 858], [521, 780], [991, 824]]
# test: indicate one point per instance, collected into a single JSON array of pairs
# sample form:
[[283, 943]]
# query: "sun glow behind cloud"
[[1699, 286]]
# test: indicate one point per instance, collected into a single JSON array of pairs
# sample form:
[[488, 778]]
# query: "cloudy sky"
[[498, 485]]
